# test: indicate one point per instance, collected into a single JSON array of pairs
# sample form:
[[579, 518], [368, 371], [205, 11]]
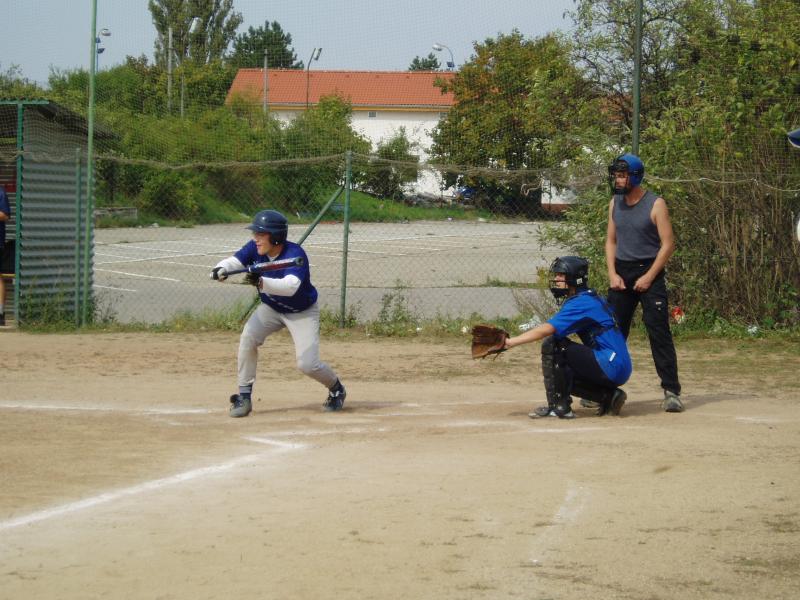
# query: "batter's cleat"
[[672, 402], [240, 406], [541, 412], [336, 396], [614, 405]]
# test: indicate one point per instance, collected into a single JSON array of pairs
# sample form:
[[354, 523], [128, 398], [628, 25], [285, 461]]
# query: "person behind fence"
[[639, 242], [5, 215], [288, 299], [592, 370]]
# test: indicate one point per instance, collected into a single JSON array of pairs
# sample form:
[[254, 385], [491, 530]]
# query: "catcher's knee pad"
[[556, 382]]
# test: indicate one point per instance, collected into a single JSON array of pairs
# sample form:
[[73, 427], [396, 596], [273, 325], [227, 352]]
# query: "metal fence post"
[[78, 246], [348, 186]]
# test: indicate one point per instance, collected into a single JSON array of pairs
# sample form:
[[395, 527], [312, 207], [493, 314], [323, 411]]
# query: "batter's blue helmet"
[[272, 222], [630, 164]]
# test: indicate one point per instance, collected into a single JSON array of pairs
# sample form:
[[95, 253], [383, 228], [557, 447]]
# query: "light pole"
[[84, 316], [195, 23], [439, 47], [314, 56], [169, 70], [266, 84]]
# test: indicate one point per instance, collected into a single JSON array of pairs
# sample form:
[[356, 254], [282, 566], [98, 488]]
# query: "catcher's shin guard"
[[556, 380]]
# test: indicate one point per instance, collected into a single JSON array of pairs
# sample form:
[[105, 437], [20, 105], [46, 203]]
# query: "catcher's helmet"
[[630, 164], [272, 222], [576, 274]]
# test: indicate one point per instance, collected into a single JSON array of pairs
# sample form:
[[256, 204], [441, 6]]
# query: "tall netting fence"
[[461, 171], [436, 254]]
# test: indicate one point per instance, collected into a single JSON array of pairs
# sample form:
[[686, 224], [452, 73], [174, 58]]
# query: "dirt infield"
[[123, 477]]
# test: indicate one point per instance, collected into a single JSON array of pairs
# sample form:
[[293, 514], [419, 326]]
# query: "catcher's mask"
[[576, 275], [632, 166], [273, 223]]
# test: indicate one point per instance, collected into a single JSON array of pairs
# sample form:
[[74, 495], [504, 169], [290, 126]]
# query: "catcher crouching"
[[592, 370]]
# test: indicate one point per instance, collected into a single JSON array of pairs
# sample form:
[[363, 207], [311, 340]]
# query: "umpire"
[[639, 242]]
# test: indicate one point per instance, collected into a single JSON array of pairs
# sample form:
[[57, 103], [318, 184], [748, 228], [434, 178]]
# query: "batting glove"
[[253, 279], [219, 274]]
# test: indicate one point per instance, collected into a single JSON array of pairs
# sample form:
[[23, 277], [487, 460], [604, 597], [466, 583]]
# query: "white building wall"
[[384, 125]]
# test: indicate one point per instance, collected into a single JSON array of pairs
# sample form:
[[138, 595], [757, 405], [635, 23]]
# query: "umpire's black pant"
[[655, 315]]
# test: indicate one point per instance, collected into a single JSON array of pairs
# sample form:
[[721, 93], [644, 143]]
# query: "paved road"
[[444, 268]]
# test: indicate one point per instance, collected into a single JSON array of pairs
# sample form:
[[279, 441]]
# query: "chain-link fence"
[[458, 170], [446, 255]]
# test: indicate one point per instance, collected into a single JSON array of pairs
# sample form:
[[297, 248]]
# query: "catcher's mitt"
[[488, 339]]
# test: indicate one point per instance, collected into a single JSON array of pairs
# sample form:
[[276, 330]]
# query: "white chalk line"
[[138, 275], [107, 497], [110, 287], [320, 432], [140, 411], [572, 505]]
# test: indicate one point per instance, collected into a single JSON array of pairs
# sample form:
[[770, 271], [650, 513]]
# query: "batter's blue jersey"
[[588, 316], [306, 294]]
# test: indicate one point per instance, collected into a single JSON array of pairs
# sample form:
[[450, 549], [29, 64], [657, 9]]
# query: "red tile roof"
[[364, 89]]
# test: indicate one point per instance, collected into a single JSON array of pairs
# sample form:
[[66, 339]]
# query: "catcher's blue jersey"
[[306, 294], [592, 319]]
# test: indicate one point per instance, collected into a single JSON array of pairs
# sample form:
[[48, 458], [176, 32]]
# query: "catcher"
[[591, 370]]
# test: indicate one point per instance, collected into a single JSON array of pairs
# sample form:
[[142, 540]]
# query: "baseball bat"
[[275, 265]]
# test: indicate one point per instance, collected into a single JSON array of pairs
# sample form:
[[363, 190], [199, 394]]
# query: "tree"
[[218, 24], [519, 104], [603, 42], [393, 166], [429, 63], [14, 85], [248, 48]]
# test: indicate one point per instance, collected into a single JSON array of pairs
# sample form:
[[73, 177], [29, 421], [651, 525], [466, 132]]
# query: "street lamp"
[[314, 56], [193, 26], [99, 49], [439, 47]]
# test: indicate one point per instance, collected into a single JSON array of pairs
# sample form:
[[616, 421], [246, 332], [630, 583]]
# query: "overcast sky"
[[354, 34]]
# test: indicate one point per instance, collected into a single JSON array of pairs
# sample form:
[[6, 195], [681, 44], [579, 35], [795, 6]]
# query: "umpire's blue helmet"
[[272, 222], [630, 164]]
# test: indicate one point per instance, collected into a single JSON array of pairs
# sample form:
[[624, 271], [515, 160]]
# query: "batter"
[[288, 299]]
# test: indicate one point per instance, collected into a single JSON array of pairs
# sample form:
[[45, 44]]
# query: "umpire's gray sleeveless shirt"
[[637, 235]]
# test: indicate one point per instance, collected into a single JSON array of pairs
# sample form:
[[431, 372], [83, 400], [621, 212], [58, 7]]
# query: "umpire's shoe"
[[336, 396], [672, 402], [240, 406]]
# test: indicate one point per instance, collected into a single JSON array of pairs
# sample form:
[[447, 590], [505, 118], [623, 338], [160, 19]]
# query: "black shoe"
[[540, 412], [240, 406], [614, 405], [336, 396], [2, 319]]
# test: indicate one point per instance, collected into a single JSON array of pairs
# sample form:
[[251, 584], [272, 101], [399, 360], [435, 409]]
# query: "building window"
[[372, 114]]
